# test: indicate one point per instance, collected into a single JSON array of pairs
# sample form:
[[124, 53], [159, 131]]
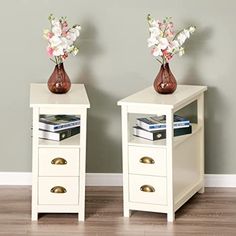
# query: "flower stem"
[[159, 60], [53, 60], [163, 60], [56, 60], [177, 35]]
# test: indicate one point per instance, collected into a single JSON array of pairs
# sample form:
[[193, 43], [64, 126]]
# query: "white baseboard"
[[111, 179], [15, 178], [221, 180]]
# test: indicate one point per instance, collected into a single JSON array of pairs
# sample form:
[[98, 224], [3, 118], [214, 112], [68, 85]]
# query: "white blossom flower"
[[155, 31], [162, 44], [154, 23], [181, 51], [64, 43], [55, 22], [58, 51], [163, 40], [192, 29], [181, 38], [175, 44], [72, 35], [156, 52], [61, 38], [57, 30], [54, 41], [186, 33], [78, 27], [152, 41], [72, 49]]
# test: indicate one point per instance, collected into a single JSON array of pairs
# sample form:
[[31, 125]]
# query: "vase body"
[[59, 82], [165, 82]]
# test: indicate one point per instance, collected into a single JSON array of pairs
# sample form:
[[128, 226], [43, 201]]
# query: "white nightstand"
[[160, 176], [58, 168]]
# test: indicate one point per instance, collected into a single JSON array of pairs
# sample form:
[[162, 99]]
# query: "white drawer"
[[147, 189], [58, 161], [147, 161], [58, 190]]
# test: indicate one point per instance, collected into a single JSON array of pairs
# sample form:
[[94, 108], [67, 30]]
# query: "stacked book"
[[58, 127], [154, 127]]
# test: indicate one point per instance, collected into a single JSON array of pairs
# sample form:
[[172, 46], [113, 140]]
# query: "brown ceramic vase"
[[59, 82], [165, 82]]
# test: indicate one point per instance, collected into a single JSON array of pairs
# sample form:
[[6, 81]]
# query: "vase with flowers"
[[165, 43], [61, 39]]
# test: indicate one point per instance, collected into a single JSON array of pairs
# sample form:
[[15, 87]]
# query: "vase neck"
[[165, 66], [60, 66]]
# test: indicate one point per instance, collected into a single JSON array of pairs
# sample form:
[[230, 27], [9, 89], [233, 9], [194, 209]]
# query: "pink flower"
[[50, 51], [47, 34], [65, 55], [156, 51], [50, 34], [166, 54], [61, 39], [163, 39]]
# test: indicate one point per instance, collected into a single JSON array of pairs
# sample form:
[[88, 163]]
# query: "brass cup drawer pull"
[[58, 189], [58, 161], [147, 189], [147, 160]]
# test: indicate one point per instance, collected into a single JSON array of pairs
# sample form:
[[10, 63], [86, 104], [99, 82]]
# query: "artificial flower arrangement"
[[61, 39], [164, 41]]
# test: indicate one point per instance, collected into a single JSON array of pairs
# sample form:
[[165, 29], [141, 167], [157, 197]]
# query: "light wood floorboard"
[[211, 213]]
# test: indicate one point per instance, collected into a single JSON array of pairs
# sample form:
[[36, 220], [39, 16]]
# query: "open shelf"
[[133, 140], [72, 142]]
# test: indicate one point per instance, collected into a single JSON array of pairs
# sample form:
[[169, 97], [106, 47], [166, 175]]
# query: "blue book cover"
[[58, 122], [159, 122]]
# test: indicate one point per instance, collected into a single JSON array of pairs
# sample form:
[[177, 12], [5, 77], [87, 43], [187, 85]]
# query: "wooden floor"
[[211, 213]]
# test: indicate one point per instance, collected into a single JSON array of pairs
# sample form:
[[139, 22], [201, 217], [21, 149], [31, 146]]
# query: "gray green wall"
[[114, 62]]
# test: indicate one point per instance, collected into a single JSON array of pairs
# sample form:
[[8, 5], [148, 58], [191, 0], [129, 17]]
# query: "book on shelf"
[[58, 135], [159, 122], [159, 134], [58, 122]]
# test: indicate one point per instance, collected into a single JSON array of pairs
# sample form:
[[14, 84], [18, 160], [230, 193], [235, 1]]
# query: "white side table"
[[68, 175], [175, 171]]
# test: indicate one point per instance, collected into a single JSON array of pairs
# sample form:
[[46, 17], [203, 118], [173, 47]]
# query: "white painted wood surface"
[[69, 168], [137, 164], [41, 97], [158, 184], [70, 197], [181, 168], [70, 176]]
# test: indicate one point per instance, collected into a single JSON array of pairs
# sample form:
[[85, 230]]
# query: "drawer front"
[[147, 161], [58, 162], [147, 189], [58, 190]]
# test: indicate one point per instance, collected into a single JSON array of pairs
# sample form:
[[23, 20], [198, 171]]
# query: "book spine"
[[67, 125], [181, 124], [177, 132], [54, 128], [160, 134], [148, 126], [69, 133], [186, 130], [58, 136], [149, 135]]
